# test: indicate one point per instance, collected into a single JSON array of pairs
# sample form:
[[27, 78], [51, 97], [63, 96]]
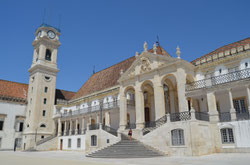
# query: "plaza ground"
[[78, 158]]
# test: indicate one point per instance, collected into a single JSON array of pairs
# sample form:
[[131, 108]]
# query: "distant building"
[[172, 105]]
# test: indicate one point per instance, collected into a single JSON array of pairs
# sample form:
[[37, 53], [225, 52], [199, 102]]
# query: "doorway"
[[61, 144], [147, 114]]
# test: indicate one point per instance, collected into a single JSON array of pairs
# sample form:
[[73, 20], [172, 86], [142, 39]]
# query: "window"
[[31, 89], [44, 112], [220, 71], [177, 137], [69, 143], [0, 142], [246, 64], [240, 105], [45, 89], [48, 55], [93, 140], [43, 126], [227, 135], [78, 143], [28, 125], [47, 78], [42, 137], [21, 127], [44, 101], [1, 125], [31, 101]]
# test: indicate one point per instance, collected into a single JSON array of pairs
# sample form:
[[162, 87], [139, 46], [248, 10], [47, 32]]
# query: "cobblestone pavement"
[[78, 158]]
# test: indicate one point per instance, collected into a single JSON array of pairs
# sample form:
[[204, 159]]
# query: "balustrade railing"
[[110, 130], [221, 79], [204, 116], [242, 115], [180, 116], [224, 116], [94, 126], [105, 106], [131, 126]]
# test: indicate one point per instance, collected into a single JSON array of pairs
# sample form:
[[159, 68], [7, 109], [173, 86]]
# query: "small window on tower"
[[48, 55], [46, 89], [44, 112], [246, 64], [45, 101], [43, 126]]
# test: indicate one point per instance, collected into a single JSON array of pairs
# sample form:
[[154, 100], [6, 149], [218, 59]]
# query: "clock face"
[[39, 34], [51, 34]]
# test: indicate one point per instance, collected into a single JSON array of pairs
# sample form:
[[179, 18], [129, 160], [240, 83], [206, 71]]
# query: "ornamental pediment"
[[145, 63]]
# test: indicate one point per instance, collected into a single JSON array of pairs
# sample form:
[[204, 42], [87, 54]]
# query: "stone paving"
[[78, 158]]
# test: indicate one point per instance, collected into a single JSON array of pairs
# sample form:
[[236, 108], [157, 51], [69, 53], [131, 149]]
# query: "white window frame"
[[227, 136], [178, 138]]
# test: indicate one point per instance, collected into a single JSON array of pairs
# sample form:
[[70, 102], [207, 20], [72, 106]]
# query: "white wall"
[[73, 142], [241, 131], [9, 134]]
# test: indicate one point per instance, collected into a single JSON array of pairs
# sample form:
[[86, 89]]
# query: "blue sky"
[[105, 32]]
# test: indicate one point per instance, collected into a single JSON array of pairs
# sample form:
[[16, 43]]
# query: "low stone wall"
[[104, 139]]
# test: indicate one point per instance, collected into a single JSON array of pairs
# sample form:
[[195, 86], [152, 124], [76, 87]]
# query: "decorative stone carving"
[[178, 52], [145, 46], [145, 65], [154, 48]]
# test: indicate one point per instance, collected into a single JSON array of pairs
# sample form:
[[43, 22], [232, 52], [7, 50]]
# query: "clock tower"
[[42, 86]]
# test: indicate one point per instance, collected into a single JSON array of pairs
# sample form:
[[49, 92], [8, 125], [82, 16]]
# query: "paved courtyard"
[[78, 158]]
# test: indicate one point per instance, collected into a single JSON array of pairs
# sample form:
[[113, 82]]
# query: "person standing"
[[130, 134]]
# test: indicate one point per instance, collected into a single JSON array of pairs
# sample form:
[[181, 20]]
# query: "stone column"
[[212, 109], [172, 101], [76, 129], [107, 119], [83, 125], [59, 133], [139, 107], [70, 127], [181, 89], [97, 119], [123, 110], [65, 128], [248, 98], [158, 98], [232, 110]]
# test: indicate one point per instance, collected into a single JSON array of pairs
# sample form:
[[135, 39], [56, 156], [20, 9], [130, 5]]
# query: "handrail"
[[221, 79]]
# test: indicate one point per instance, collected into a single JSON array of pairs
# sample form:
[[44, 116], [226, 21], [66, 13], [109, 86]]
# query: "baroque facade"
[[173, 106]]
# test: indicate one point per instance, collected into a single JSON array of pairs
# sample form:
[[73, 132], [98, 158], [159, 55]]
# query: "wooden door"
[[61, 144]]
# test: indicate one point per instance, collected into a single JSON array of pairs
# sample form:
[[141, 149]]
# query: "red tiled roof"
[[108, 77], [20, 90], [64, 95], [13, 89], [226, 47], [104, 79]]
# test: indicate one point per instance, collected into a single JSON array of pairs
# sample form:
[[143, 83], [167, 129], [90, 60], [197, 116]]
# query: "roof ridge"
[[111, 66], [65, 90], [209, 53]]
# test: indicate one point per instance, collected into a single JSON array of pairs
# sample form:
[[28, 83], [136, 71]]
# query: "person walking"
[[130, 134]]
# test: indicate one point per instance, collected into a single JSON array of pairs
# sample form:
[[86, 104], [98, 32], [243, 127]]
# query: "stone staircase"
[[126, 149]]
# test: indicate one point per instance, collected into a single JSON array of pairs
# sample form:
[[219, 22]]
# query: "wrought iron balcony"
[[216, 80], [94, 126], [204, 116], [180, 116]]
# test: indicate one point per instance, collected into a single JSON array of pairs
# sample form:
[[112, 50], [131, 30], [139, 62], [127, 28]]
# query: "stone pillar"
[[65, 128], [59, 133], [107, 119], [158, 98], [83, 125], [97, 119], [248, 98], [139, 107], [70, 128], [232, 110], [76, 129], [212, 109], [172, 101], [123, 110], [181, 89]]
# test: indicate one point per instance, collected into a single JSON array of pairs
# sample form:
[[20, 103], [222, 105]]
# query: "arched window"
[[43, 126], [93, 140], [48, 55], [227, 135], [177, 137]]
